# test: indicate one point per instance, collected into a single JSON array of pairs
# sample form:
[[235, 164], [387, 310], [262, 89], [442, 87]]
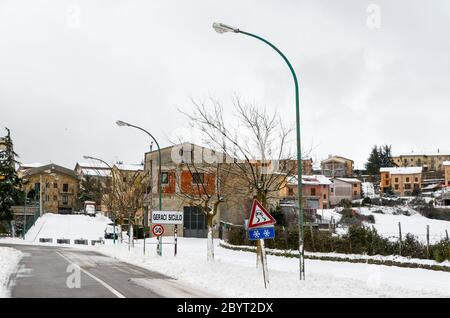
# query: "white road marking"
[[112, 290]]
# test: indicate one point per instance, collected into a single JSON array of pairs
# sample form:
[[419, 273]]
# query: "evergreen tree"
[[373, 164], [386, 156], [380, 157], [10, 183]]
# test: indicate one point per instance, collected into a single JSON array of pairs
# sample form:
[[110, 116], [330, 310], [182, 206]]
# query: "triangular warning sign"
[[259, 216]]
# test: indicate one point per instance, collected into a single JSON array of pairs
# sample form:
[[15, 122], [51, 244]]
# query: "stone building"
[[336, 166], [429, 161], [54, 186]]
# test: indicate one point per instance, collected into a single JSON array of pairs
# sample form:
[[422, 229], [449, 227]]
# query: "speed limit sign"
[[157, 230]]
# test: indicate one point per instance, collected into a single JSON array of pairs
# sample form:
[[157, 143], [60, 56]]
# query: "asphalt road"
[[70, 273]]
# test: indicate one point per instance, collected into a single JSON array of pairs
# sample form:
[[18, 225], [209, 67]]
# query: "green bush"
[[441, 251], [358, 240], [366, 201]]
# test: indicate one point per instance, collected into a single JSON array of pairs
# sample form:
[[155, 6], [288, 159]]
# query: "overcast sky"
[[70, 69]]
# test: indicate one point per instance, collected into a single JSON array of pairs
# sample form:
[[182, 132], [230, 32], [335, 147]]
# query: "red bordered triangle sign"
[[259, 216]]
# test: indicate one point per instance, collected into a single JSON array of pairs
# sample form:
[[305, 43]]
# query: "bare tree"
[[257, 141], [125, 198]]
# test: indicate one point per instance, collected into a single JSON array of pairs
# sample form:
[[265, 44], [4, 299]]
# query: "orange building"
[[402, 181], [447, 173]]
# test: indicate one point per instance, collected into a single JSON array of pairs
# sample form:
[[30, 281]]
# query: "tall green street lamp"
[[223, 28], [124, 124], [112, 184]]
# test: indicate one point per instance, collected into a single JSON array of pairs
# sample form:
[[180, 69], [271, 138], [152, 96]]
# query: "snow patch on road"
[[9, 260]]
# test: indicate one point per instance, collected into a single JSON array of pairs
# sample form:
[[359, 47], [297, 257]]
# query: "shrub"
[[441, 251], [366, 201], [347, 204]]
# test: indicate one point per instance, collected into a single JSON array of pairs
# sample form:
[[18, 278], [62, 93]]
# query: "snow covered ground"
[[387, 223], [234, 273], [73, 227], [368, 189], [9, 259]]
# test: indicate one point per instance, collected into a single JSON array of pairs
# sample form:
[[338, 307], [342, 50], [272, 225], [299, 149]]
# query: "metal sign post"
[[158, 231], [260, 227], [170, 218], [175, 234]]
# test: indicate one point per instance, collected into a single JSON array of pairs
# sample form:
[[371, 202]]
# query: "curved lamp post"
[[124, 124], [223, 28]]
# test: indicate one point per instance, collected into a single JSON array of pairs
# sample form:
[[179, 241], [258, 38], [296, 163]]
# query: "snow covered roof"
[[424, 153], [96, 172], [402, 170], [446, 163], [336, 159], [51, 168], [129, 167], [31, 165], [310, 180], [93, 164], [349, 180]]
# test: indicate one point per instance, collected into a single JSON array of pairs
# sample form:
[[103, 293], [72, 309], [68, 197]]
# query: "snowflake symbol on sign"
[[266, 233], [256, 234]]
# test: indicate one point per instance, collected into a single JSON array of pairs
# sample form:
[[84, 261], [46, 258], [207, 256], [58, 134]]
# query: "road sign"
[[261, 233], [259, 216], [157, 230], [167, 217]]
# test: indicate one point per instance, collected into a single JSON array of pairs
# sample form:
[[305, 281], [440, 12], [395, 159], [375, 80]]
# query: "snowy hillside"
[[387, 219], [71, 227]]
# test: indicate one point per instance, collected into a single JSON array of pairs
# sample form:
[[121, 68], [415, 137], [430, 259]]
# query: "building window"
[[65, 199], [408, 186], [313, 191], [355, 185], [164, 178], [324, 196], [396, 180], [407, 179], [355, 193], [65, 187], [396, 187], [290, 192], [416, 179], [198, 178], [55, 185]]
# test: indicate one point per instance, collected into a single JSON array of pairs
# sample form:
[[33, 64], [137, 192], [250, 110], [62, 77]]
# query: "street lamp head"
[[87, 157], [122, 123], [223, 28]]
